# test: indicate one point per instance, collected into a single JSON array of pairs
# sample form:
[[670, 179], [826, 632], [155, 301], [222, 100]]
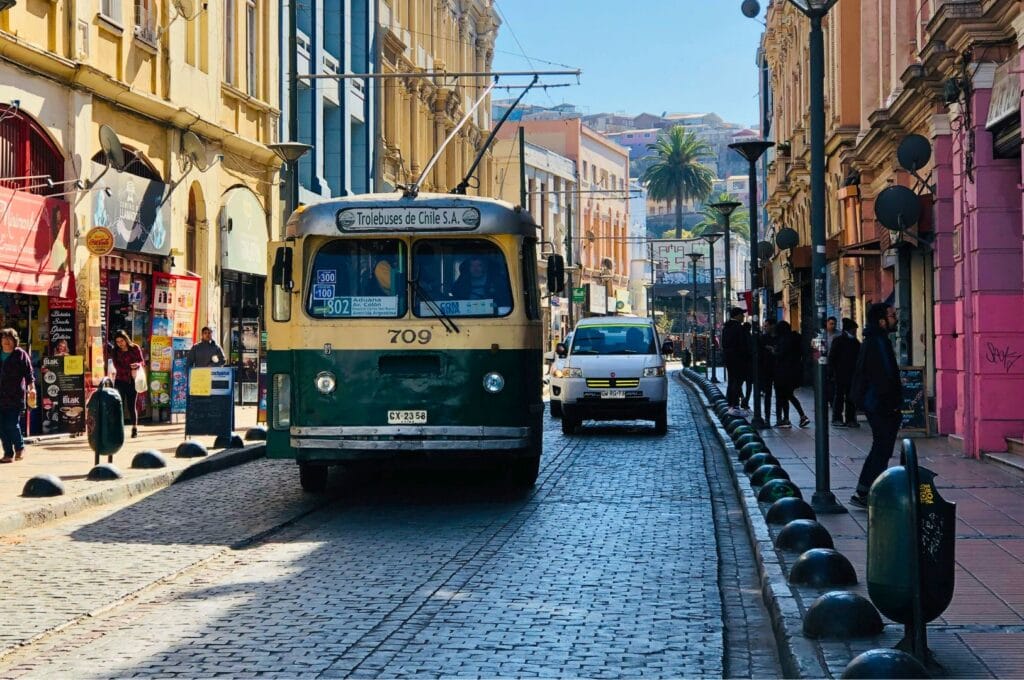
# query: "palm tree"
[[677, 173], [739, 221]]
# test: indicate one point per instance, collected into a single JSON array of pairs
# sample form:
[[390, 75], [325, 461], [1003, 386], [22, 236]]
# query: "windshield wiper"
[[446, 321]]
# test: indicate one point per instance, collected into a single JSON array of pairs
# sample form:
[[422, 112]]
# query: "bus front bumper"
[[399, 438]]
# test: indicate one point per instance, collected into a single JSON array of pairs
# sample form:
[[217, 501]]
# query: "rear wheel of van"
[[570, 423], [556, 408]]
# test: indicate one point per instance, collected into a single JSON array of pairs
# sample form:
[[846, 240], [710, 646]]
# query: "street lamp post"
[[682, 307], [711, 237], [694, 257], [823, 501], [752, 151], [290, 153], [725, 210]]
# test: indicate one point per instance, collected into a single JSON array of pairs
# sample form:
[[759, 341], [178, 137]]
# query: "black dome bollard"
[[745, 439], [884, 663], [785, 510], [776, 489], [43, 486], [190, 449], [105, 472], [767, 473], [757, 460], [741, 430], [225, 441], [748, 450], [802, 535], [733, 423], [150, 459], [823, 568], [841, 615], [256, 434]]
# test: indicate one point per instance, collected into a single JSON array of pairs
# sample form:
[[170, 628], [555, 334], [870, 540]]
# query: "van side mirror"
[[556, 274], [561, 350]]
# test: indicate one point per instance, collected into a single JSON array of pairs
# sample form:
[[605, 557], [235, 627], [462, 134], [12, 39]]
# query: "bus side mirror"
[[561, 350], [282, 284], [556, 274]]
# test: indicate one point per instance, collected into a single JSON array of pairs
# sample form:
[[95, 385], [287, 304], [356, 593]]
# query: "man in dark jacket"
[[766, 366], [877, 390], [842, 359], [736, 355], [206, 353]]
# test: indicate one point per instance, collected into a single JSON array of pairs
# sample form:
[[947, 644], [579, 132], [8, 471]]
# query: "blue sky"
[[637, 55]]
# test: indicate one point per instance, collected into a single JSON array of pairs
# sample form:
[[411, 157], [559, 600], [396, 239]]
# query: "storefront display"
[[175, 316]]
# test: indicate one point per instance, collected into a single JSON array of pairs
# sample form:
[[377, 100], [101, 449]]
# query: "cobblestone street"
[[612, 566]]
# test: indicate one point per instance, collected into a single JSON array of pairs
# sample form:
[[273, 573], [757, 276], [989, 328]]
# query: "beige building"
[[420, 112], [192, 101]]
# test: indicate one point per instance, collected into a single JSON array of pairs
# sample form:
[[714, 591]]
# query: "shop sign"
[[597, 298], [1005, 100], [63, 394], [579, 295], [243, 224], [135, 211], [99, 241], [34, 244]]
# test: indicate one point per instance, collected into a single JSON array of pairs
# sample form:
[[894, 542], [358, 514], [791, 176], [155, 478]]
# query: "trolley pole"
[[568, 259], [522, 168]]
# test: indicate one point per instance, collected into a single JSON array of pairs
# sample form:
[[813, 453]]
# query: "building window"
[[145, 21], [229, 41], [111, 9], [251, 38], [27, 155]]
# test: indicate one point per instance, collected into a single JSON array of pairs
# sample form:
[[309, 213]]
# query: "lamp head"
[[712, 236], [751, 150], [695, 257], [725, 208], [813, 8], [750, 8], [289, 152]]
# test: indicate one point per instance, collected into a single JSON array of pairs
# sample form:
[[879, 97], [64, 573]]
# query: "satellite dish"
[[195, 150], [112, 148], [765, 250], [184, 7], [787, 238], [897, 208], [914, 152]]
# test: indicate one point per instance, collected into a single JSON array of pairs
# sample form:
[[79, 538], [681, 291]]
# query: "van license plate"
[[407, 417], [613, 394]]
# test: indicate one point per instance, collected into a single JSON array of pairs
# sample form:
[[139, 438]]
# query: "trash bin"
[[911, 548], [105, 420]]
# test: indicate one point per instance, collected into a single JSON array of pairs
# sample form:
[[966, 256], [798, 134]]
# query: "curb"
[[63, 507], [799, 655]]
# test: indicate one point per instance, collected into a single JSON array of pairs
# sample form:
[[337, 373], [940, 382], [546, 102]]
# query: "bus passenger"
[[475, 282]]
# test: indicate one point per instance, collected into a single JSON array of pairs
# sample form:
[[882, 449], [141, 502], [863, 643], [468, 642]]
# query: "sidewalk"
[[70, 458], [981, 633]]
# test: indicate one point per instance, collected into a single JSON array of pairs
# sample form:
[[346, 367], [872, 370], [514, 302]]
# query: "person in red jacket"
[[127, 358], [17, 390]]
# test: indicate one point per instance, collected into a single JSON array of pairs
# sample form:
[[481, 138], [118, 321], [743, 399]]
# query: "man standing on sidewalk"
[[877, 390], [206, 353], [842, 359], [736, 355]]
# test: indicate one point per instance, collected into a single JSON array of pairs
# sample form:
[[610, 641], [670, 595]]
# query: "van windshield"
[[614, 339]]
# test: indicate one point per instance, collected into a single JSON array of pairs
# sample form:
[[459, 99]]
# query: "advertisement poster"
[[179, 375], [160, 388], [261, 409], [160, 356], [62, 326], [63, 395], [97, 367]]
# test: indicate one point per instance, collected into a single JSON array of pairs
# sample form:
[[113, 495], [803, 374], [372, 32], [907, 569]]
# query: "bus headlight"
[[654, 371], [282, 396], [494, 383], [325, 382]]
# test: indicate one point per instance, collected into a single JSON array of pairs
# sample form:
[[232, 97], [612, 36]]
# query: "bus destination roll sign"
[[419, 218]]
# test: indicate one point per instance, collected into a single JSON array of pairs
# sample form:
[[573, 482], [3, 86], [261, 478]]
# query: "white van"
[[614, 370]]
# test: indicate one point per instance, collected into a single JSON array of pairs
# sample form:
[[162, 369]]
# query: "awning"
[[34, 244], [1005, 96], [244, 235]]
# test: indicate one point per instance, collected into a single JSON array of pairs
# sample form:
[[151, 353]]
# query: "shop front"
[[244, 236]]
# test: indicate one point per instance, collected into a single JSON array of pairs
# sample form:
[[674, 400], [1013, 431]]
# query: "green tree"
[[739, 221], [676, 172]]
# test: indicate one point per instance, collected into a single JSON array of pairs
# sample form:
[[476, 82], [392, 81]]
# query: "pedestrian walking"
[[878, 392], [735, 355], [842, 359], [748, 373], [766, 367], [788, 371], [831, 333], [17, 393], [206, 352], [127, 359]]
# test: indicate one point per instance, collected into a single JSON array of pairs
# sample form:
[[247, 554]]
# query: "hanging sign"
[[99, 241]]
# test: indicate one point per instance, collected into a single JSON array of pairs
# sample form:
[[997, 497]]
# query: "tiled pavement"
[[981, 634]]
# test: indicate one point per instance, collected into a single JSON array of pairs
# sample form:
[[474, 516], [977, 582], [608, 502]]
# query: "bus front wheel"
[[313, 478], [521, 473]]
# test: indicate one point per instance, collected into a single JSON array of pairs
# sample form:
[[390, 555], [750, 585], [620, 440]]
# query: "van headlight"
[[573, 372], [494, 382], [282, 395], [325, 382], [654, 371], [558, 373]]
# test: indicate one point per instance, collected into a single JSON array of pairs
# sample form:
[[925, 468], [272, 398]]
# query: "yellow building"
[[192, 101], [420, 112]]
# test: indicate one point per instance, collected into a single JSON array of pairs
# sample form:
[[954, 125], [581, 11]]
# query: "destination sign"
[[418, 218]]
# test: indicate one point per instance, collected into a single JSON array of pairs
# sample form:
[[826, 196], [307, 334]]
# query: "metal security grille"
[[27, 152]]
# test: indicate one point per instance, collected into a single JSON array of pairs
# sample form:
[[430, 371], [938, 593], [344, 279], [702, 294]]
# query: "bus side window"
[[282, 283]]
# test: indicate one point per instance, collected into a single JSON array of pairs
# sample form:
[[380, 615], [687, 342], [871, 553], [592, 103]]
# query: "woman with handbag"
[[17, 392], [128, 361]]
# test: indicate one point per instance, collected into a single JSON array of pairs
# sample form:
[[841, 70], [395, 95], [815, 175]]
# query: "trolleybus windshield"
[[461, 277], [354, 279]]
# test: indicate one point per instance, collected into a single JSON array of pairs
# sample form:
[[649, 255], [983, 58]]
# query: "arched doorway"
[[195, 218]]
